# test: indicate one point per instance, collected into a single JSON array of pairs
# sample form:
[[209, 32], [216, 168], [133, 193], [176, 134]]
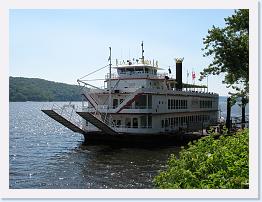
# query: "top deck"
[[150, 64], [137, 69]]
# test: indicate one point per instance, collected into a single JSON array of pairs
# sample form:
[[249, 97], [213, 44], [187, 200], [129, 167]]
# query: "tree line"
[[35, 89]]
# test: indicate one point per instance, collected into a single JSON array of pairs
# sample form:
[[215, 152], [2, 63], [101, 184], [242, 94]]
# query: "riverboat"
[[138, 104]]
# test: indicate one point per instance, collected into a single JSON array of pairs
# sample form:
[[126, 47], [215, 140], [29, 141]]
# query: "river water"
[[44, 154]]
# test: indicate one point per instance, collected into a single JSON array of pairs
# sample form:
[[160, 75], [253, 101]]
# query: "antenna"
[[143, 59]]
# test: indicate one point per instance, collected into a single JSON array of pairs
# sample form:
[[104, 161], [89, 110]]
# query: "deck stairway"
[[87, 95], [128, 101], [67, 121], [98, 122]]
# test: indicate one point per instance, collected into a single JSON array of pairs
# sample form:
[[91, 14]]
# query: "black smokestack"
[[179, 73]]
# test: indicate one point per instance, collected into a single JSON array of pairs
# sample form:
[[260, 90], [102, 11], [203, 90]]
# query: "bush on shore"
[[209, 163]]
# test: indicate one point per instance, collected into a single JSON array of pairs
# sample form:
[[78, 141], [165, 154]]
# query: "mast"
[[143, 59], [110, 66]]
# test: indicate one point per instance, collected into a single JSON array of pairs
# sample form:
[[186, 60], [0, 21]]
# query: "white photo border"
[[251, 193]]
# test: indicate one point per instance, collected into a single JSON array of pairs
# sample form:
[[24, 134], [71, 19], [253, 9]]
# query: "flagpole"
[[192, 79], [110, 66], [194, 82]]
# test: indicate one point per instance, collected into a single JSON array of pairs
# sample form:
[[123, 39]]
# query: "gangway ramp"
[[97, 122], [64, 121]]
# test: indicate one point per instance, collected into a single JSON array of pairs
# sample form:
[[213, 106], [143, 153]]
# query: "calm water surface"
[[44, 154]]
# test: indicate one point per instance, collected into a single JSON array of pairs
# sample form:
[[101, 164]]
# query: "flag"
[[169, 70], [193, 75]]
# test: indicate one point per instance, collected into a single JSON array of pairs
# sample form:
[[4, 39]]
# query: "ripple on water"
[[44, 154]]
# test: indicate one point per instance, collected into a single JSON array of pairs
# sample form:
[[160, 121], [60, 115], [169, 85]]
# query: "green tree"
[[210, 162], [230, 51], [34, 89]]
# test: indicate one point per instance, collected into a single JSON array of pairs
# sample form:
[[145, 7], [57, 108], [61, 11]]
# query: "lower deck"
[[153, 124]]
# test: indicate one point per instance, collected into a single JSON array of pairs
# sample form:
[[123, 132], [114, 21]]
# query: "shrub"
[[209, 163]]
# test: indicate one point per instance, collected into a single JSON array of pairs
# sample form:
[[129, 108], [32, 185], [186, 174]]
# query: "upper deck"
[[137, 69]]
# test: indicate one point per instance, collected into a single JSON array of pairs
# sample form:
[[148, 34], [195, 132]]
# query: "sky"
[[64, 45]]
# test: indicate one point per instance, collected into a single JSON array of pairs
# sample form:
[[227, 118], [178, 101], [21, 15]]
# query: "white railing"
[[105, 118], [69, 113], [138, 74]]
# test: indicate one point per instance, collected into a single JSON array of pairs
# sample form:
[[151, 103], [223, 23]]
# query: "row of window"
[[183, 120], [136, 122], [177, 104], [205, 104]]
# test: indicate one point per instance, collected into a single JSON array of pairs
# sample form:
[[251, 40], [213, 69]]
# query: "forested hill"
[[33, 89]]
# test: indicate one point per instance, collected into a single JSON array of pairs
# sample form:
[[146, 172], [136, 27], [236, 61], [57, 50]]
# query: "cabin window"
[[163, 123], [149, 122], [149, 101], [172, 121], [206, 104], [143, 121], [139, 69], [122, 70], [118, 123], [176, 121], [115, 103], [128, 123], [140, 103], [168, 103], [166, 122], [135, 123], [176, 104], [182, 120]]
